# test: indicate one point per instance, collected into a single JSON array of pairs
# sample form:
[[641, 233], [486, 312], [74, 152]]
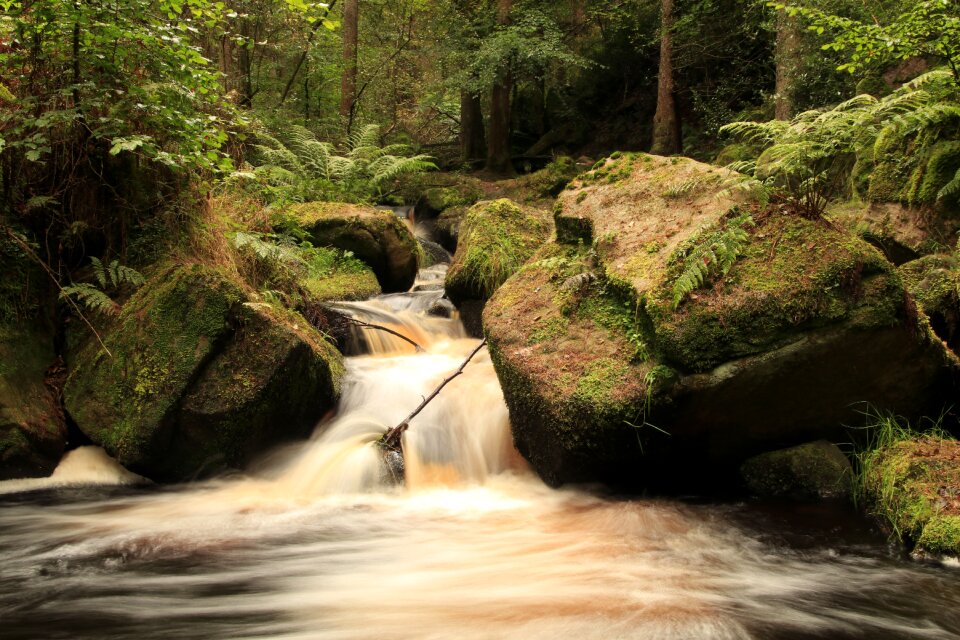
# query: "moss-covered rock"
[[934, 282], [377, 237], [813, 471], [545, 183], [595, 340], [194, 373], [914, 486], [33, 434], [496, 238], [434, 193]]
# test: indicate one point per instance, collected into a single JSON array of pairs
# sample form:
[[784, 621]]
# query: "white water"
[[314, 545]]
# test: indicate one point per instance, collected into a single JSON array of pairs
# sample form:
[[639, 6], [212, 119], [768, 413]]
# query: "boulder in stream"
[[627, 356], [496, 238], [198, 378], [377, 237]]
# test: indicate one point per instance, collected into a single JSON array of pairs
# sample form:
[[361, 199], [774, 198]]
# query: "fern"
[[710, 254], [304, 168], [91, 298]]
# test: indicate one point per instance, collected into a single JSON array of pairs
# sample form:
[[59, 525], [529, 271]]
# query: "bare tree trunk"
[[348, 83], [473, 142], [498, 147], [666, 122], [787, 56]]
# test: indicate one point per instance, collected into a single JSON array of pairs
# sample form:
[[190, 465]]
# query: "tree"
[[348, 83], [786, 56], [499, 158], [667, 138]]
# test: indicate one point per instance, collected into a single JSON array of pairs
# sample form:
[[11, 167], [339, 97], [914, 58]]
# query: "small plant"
[[110, 279], [708, 255]]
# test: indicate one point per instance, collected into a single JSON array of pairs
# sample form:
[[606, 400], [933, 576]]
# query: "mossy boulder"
[[377, 237], [33, 433], [595, 340], [813, 471], [496, 238], [934, 282], [198, 378], [545, 183], [914, 486]]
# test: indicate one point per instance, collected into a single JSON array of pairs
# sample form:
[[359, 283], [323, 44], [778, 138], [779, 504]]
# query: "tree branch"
[[390, 441]]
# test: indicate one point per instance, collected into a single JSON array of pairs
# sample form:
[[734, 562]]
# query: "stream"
[[313, 543]]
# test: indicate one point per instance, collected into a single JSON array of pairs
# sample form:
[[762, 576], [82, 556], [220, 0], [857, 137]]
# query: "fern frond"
[[709, 255], [389, 167], [951, 190], [99, 272], [121, 275], [91, 298]]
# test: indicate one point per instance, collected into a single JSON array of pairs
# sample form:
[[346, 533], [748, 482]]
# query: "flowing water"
[[313, 544]]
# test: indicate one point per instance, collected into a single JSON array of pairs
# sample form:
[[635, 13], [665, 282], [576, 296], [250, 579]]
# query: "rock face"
[[813, 471], [377, 237], [496, 238], [617, 367], [199, 379], [33, 434], [934, 282], [902, 233]]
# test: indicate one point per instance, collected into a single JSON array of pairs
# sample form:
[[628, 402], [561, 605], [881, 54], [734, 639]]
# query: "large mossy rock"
[[613, 372], [198, 378], [33, 433], [375, 236], [496, 238], [914, 485]]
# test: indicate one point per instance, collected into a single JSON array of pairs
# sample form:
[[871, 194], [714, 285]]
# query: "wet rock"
[[641, 377], [496, 239], [199, 378], [442, 308], [814, 471], [434, 252], [447, 227], [33, 433], [377, 237], [902, 233]]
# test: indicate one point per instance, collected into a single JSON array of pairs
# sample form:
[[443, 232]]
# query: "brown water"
[[312, 544]]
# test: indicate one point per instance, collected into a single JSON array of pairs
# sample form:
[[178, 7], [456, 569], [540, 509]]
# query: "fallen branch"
[[391, 439], [369, 325]]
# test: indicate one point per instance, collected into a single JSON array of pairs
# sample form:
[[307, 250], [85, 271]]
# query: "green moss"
[[549, 330], [794, 275], [942, 166], [934, 282], [496, 239], [941, 535], [599, 383], [911, 482], [547, 182]]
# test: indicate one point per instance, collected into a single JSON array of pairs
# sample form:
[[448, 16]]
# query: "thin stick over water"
[[391, 439]]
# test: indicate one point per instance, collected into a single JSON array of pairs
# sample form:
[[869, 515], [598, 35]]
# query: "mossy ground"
[[496, 238], [914, 485]]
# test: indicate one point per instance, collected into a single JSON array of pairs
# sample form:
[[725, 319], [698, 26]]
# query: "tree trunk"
[[787, 57], [473, 142], [666, 122], [498, 147], [348, 83]]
